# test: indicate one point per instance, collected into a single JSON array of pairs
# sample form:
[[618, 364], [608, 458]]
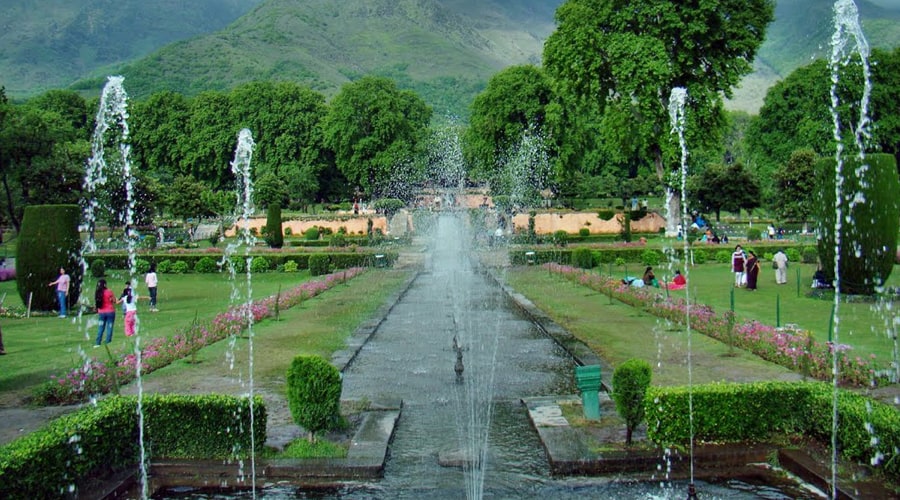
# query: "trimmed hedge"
[[104, 438], [733, 413], [165, 261], [49, 240], [633, 254]]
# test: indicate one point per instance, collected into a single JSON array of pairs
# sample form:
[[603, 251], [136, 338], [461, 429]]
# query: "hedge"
[[337, 260], [48, 240], [631, 254], [104, 438], [757, 411]]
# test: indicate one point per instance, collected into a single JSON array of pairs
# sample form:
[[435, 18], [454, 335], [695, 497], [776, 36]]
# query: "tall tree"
[[159, 131], [372, 127], [212, 136], [795, 186], [636, 52], [514, 101], [725, 187]]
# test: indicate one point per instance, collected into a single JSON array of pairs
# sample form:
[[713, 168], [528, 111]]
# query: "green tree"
[[795, 186], [314, 394], [49, 240], [514, 101], [185, 198], [630, 381], [870, 220], [630, 55], [725, 187], [159, 130], [270, 189], [210, 141], [371, 126]]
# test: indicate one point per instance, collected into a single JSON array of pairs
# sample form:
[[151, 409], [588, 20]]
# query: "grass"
[[41, 346], [618, 332]]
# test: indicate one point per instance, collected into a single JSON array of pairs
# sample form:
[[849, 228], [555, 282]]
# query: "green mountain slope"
[[51, 43], [445, 50]]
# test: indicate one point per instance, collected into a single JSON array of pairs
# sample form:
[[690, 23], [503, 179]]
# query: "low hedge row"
[[640, 254], [757, 411], [50, 462], [261, 262]]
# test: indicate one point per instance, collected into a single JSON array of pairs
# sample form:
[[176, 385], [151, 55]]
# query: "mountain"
[[445, 50]]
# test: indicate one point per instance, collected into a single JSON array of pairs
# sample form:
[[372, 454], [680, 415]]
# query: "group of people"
[[649, 279], [745, 266], [106, 303]]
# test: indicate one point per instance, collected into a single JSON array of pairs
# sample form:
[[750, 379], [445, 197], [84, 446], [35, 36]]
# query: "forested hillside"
[[443, 49]]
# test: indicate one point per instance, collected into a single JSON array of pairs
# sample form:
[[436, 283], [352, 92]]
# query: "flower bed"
[[102, 377], [795, 350]]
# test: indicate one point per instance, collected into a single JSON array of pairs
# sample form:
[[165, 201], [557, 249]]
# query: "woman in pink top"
[[106, 309]]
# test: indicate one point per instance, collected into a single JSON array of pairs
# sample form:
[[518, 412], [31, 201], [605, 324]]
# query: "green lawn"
[[860, 325], [41, 346]]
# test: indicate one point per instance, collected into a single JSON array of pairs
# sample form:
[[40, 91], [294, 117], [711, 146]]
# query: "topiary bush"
[[723, 256], [630, 382], [793, 255], [149, 242], [650, 257], [206, 265], [259, 264], [583, 232], [274, 235], [869, 240], [180, 267], [48, 240], [809, 255], [319, 264], [754, 234], [98, 268], [164, 266], [311, 234], [291, 266], [141, 266], [560, 238], [314, 394], [583, 258]]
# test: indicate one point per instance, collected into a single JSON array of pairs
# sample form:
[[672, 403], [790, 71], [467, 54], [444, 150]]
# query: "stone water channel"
[[448, 419]]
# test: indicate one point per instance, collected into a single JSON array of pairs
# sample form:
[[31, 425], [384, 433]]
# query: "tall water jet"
[[112, 124], [677, 103], [244, 208], [847, 42]]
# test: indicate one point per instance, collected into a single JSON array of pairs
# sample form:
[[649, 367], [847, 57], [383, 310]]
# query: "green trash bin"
[[588, 380]]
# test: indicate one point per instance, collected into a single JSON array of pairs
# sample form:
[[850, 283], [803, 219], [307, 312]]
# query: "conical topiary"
[[48, 241]]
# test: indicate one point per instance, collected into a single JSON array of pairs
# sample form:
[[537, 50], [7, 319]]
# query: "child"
[[129, 305]]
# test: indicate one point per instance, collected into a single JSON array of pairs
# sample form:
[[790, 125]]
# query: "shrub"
[[206, 265], [338, 240], [650, 257], [149, 242], [768, 256], [288, 231], [314, 394], [141, 266], [180, 267], [630, 382], [98, 268], [793, 254], [583, 258], [809, 255], [319, 264], [584, 232], [723, 256], [311, 233], [291, 266], [389, 206], [699, 256], [48, 240], [165, 266], [274, 236], [754, 234], [259, 264], [869, 242], [560, 238], [606, 214], [213, 239]]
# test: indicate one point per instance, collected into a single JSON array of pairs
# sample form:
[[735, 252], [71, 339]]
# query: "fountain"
[[112, 117]]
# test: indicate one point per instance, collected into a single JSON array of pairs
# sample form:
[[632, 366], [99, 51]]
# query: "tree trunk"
[[628, 431], [10, 206]]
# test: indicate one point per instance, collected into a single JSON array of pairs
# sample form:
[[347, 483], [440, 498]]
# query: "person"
[[771, 231], [633, 282], [751, 267], [715, 238], [152, 281], [2, 349], [649, 278], [780, 260], [738, 258], [355, 207], [678, 282], [106, 309], [62, 290], [724, 239], [820, 280], [129, 304]]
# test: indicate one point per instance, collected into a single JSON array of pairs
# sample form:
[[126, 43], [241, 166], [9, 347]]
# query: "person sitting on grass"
[[649, 278], [678, 282]]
